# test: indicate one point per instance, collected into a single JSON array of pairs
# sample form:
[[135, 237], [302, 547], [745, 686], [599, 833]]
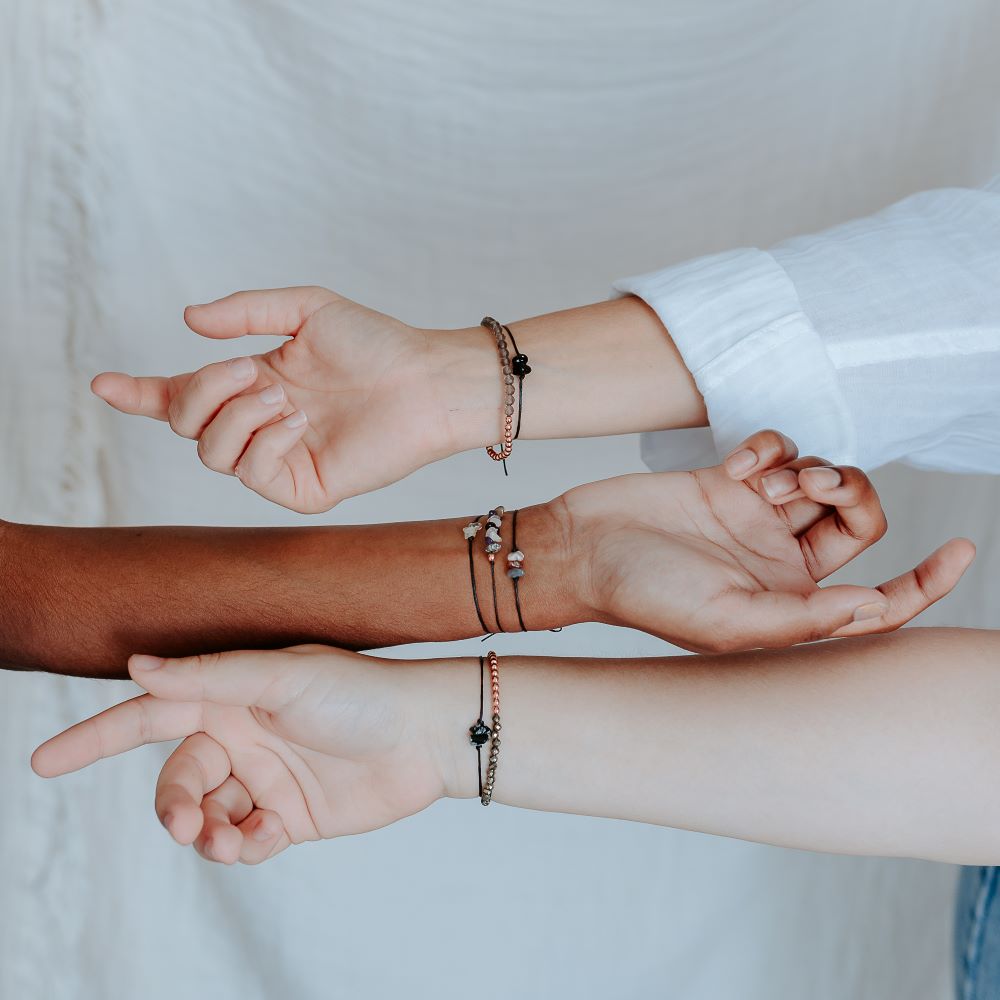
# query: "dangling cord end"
[[505, 472]]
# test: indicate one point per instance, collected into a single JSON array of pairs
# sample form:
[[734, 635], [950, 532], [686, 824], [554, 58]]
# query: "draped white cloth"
[[436, 160]]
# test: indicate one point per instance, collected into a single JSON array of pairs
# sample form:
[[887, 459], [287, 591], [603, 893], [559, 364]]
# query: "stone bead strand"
[[491, 770], [507, 377]]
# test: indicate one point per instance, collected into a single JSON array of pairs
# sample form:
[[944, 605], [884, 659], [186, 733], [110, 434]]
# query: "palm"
[[357, 408], [324, 773], [308, 742], [355, 372], [683, 555]]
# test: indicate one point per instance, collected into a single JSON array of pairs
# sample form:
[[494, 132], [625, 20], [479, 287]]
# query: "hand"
[[354, 401], [730, 557], [278, 747]]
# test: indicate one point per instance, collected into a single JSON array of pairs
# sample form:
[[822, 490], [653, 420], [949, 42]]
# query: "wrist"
[[556, 545], [465, 379], [444, 695]]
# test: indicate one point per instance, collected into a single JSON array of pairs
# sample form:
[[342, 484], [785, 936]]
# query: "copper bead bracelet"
[[510, 369]]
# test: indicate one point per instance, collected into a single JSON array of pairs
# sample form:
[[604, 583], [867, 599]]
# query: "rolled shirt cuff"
[[755, 356]]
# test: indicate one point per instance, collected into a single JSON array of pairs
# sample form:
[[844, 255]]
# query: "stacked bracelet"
[[486, 796], [515, 570], [479, 732], [494, 521], [470, 531], [509, 370], [507, 375], [520, 367]]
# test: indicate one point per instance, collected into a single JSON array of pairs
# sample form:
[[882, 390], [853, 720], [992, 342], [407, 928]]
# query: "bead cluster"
[[515, 564], [493, 540], [507, 375]]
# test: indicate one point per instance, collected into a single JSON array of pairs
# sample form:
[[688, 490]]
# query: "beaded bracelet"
[[520, 367], [507, 376], [491, 770], [470, 531], [494, 542]]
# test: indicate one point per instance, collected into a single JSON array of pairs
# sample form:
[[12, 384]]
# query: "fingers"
[[758, 453], [264, 466], [263, 836], [777, 619], [917, 590], [123, 727], [224, 440], [264, 679], [276, 311], [206, 392], [188, 402], [223, 809], [197, 766], [856, 521]]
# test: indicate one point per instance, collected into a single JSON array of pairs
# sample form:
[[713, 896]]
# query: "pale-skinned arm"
[[878, 745]]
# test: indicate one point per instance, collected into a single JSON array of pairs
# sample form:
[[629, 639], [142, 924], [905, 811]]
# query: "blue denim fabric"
[[977, 935]]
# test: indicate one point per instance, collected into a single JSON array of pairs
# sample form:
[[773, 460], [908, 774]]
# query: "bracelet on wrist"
[[480, 733], [510, 369]]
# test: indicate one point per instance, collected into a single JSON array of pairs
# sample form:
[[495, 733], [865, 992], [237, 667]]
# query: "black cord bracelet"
[[470, 531], [479, 732], [519, 367], [515, 563], [494, 521]]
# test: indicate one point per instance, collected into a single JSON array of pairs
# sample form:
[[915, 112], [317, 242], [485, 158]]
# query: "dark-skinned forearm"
[[81, 600]]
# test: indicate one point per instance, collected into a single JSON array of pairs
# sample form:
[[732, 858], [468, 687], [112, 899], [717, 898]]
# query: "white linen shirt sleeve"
[[875, 341]]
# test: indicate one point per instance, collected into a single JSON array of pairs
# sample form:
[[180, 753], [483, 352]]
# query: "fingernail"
[[780, 483], [296, 419], [825, 479], [271, 395], [261, 833], [143, 662], [869, 611], [241, 368], [741, 462]]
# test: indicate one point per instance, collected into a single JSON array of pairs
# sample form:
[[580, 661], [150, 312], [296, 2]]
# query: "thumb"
[[273, 311], [777, 619], [147, 396], [267, 679]]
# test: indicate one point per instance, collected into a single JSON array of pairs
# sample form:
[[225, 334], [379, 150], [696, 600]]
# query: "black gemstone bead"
[[519, 365], [479, 734]]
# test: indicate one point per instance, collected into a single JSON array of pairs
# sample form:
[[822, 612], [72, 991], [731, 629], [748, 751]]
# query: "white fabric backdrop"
[[435, 160]]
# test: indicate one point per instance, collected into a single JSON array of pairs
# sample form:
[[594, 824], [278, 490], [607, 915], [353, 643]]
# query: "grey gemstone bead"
[[516, 573]]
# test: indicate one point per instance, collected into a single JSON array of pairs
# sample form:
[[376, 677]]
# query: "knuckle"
[[207, 456], [176, 417]]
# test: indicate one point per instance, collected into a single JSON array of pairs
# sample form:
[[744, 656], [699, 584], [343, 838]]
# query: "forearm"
[[606, 368], [81, 600], [886, 746]]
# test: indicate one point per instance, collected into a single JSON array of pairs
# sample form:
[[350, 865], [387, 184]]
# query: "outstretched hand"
[[731, 557], [347, 405]]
